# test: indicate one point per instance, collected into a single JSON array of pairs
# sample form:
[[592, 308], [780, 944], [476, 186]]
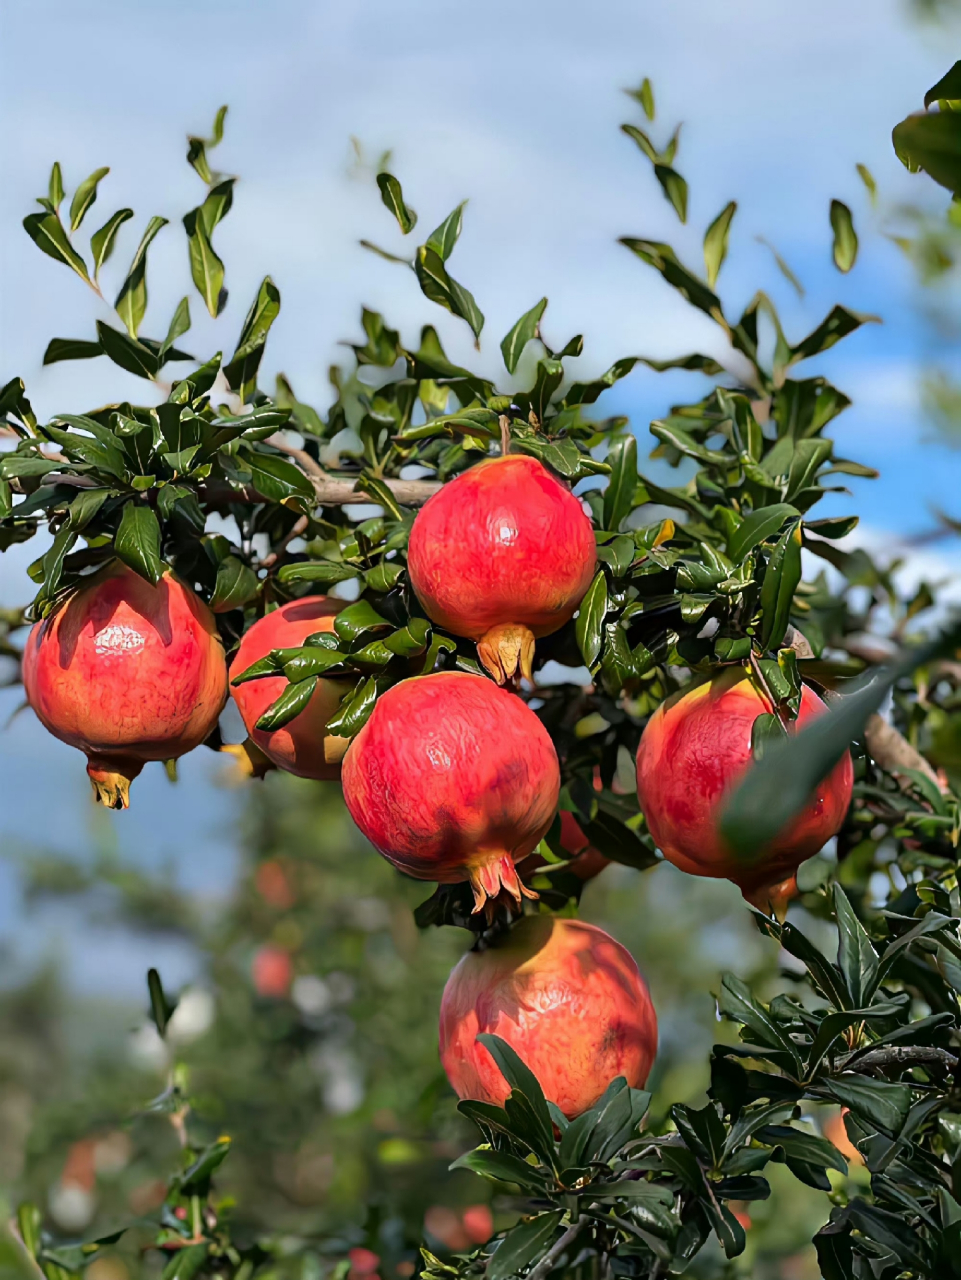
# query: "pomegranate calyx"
[[772, 899], [110, 778], [494, 877], [507, 649]]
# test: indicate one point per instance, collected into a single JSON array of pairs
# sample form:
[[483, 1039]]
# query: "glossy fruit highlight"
[[128, 672], [566, 997], [694, 748], [453, 779], [302, 746], [502, 555]]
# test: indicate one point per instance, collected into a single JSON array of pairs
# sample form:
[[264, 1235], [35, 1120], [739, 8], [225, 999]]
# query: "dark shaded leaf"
[[102, 242], [589, 627], [70, 349], [781, 578], [523, 1244], [438, 286], [45, 230], [674, 188], [241, 372], [131, 302], [127, 352], [521, 334], [393, 197], [291, 702], [236, 583], [757, 528], [138, 542], [663, 259]]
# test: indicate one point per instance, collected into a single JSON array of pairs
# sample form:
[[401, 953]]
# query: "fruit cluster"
[[453, 777]]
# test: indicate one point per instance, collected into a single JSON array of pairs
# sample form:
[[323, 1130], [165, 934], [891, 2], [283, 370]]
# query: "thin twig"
[[337, 491], [296, 530], [899, 1055], [555, 1251]]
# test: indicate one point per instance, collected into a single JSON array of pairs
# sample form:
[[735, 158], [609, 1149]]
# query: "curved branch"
[[337, 491], [901, 1056]]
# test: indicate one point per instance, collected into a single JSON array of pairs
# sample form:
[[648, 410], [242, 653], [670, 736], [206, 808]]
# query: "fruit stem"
[[505, 426]]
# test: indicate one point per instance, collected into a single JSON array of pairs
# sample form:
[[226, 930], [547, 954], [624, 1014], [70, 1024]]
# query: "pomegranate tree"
[[566, 997], [303, 745], [128, 672], [453, 779], [502, 555], [694, 749]]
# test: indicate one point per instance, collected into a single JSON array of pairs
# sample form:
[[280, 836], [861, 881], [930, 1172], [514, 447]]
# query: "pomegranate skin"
[[502, 555], [128, 672], [694, 748], [566, 997], [453, 779], [302, 746]]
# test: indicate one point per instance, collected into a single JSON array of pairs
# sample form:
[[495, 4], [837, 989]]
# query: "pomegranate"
[[694, 748], [566, 997], [127, 672], [453, 779], [272, 971], [502, 555], [301, 746]]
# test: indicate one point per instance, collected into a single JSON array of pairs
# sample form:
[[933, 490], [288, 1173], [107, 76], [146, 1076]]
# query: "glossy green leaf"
[[800, 1144], [45, 230], [131, 302], [757, 528], [619, 494], [523, 1244], [354, 712], [523, 332], [241, 372], [102, 242], [70, 349], [179, 325], [357, 619], [217, 205], [930, 142], [393, 197], [438, 286], [236, 583], [206, 268], [277, 479], [55, 186], [845, 237], [84, 196], [589, 627], [443, 238], [501, 1166], [781, 578], [884, 1104], [137, 542], [664, 260], [836, 325], [186, 1263], [323, 572], [127, 352], [291, 702], [857, 958], [588, 392], [715, 242], [674, 188]]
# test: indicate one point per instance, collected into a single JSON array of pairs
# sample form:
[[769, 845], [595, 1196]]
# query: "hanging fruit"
[[303, 745], [693, 749], [566, 997], [128, 672], [502, 555], [453, 779]]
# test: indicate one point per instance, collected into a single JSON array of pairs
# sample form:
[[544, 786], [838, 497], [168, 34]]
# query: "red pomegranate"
[[303, 745], [272, 971], [694, 748], [502, 555], [566, 997], [127, 672], [453, 779]]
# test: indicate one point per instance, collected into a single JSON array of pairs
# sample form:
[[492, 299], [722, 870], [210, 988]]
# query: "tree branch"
[[892, 751], [900, 1055], [336, 491], [555, 1251]]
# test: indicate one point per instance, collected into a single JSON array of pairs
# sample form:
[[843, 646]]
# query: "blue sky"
[[517, 107]]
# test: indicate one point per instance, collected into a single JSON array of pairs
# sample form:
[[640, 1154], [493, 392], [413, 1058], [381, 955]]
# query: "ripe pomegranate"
[[566, 997], [502, 555], [694, 748], [127, 672], [453, 779], [272, 971], [301, 746]]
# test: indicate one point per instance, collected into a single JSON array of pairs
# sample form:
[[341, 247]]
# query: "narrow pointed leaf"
[[138, 542], [102, 242], [393, 197], [131, 301], [674, 188], [715, 242], [47, 233], [443, 238], [84, 196], [521, 334]]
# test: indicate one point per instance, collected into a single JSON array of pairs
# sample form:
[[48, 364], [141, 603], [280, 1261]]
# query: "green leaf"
[[206, 269], [195, 1179], [867, 177], [845, 237], [520, 1078], [521, 334], [84, 196], [783, 267], [947, 92], [161, 1007], [757, 528], [884, 1104], [663, 259], [393, 197], [715, 242], [694, 362], [644, 143], [799, 1144], [178, 326], [241, 372], [70, 349], [236, 584], [323, 572], [443, 238], [45, 230], [138, 542], [931, 142], [645, 96], [185, 1263], [53, 561], [777, 788], [131, 301], [857, 958], [781, 578], [523, 1244], [674, 188], [438, 286], [501, 1166], [276, 479], [102, 242], [55, 186], [291, 702], [619, 494], [589, 627], [380, 492], [217, 205], [354, 712], [836, 325], [127, 352], [588, 392], [737, 1002], [357, 619]]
